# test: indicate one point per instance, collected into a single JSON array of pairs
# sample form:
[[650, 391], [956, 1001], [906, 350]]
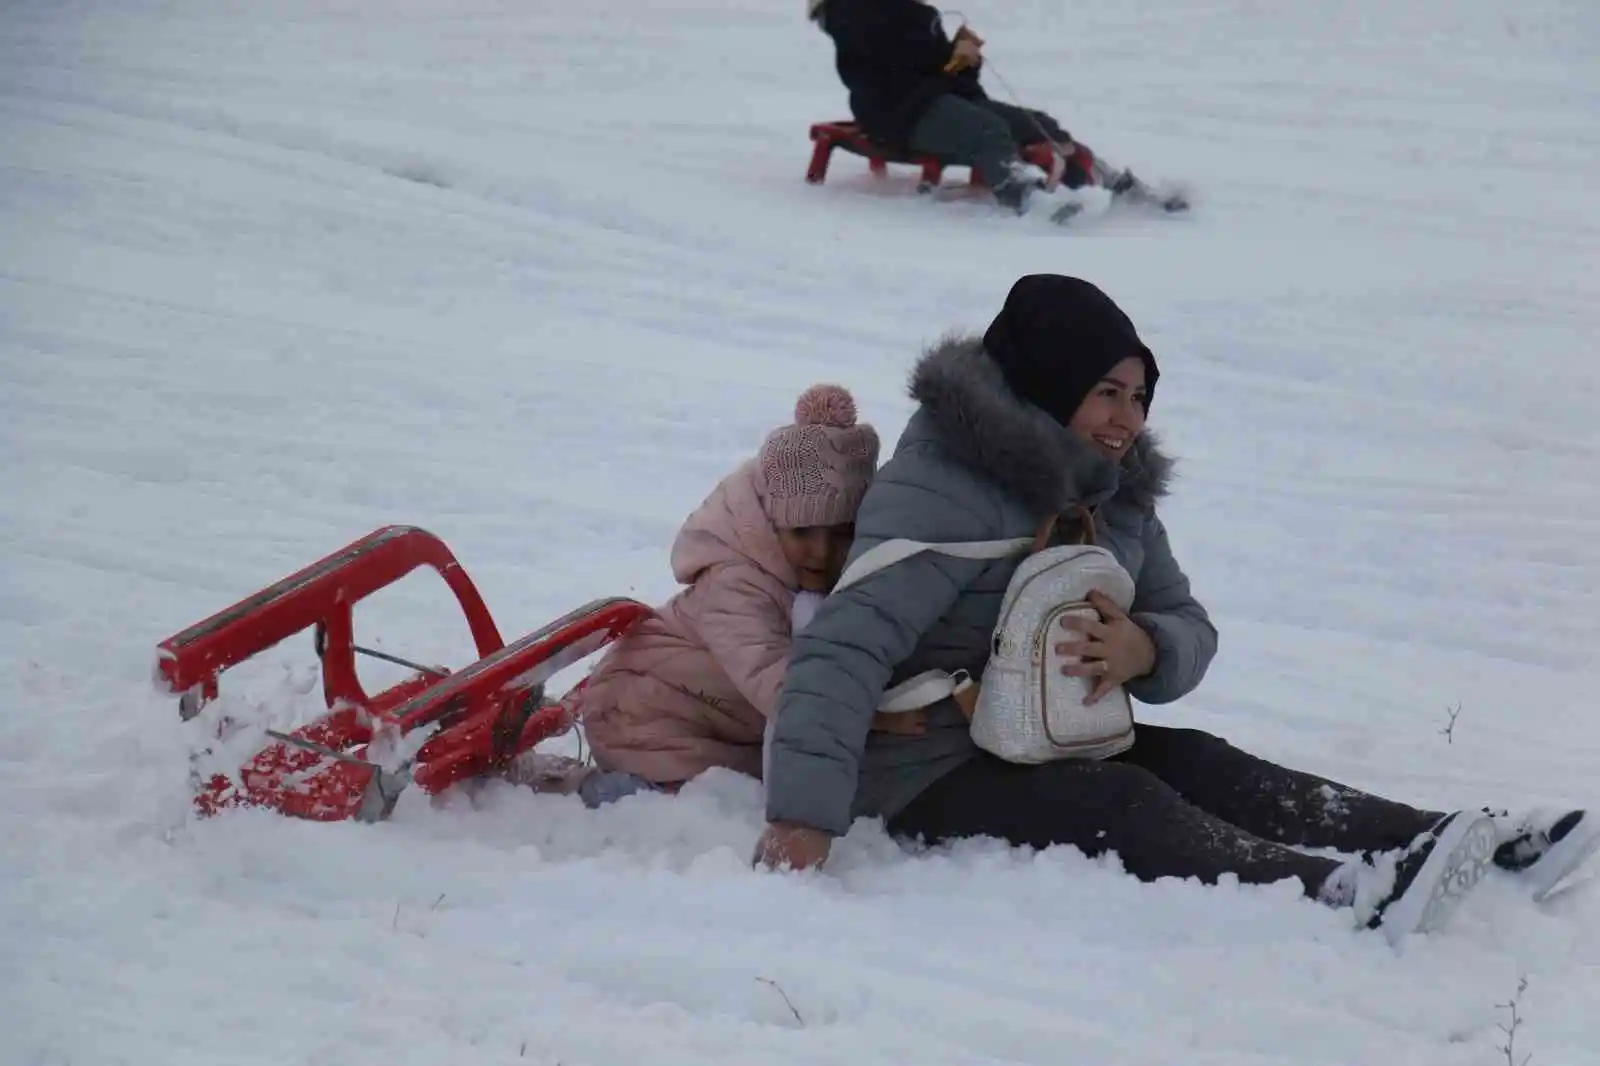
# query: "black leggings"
[[1179, 803]]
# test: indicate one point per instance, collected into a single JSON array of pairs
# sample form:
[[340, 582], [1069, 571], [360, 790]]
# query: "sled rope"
[[1044, 134], [431, 671], [576, 727], [1102, 167], [320, 749]]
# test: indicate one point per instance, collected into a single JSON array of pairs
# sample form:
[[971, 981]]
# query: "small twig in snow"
[[1449, 731], [394, 925], [785, 995], [437, 902], [1510, 1046]]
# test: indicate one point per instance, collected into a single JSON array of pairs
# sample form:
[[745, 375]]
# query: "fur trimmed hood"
[[1015, 444]]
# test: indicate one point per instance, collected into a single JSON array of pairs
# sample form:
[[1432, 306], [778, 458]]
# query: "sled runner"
[[355, 760]]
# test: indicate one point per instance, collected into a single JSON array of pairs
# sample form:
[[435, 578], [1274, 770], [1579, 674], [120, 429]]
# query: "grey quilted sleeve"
[[1185, 639], [845, 658]]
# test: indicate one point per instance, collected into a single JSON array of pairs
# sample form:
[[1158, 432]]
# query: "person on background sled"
[[913, 87], [1042, 415], [692, 686]]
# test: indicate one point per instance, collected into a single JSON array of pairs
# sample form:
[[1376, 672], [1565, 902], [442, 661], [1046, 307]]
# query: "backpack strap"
[[931, 686], [884, 555], [1085, 517]]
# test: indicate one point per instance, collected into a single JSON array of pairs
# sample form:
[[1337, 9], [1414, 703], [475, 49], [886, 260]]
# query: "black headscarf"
[[1057, 336]]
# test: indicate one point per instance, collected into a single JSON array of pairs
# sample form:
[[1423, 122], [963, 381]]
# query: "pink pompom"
[[825, 405]]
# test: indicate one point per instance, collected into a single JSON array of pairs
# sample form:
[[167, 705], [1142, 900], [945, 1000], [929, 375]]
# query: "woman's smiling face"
[[1112, 415]]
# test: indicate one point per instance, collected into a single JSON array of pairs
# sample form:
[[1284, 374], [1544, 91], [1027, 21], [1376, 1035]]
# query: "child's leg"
[[964, 133], [1271, 801], [1035, 127], [1026, 125], [564, 775], [600, 787]]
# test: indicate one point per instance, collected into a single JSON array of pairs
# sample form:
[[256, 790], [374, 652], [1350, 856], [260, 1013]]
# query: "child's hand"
[[904, 723], [967, 699]]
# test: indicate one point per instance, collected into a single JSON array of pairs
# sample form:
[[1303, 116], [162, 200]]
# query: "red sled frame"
[[334, 768], [826, 137]]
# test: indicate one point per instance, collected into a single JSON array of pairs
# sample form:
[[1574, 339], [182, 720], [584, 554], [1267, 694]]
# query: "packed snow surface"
[[533, 276]]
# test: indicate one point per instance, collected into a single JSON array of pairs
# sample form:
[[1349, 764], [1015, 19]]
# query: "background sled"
[[826, 137], [351, 762]]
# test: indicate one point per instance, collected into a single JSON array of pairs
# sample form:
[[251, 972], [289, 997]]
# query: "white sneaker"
[[1544, 845], [1415, 889]]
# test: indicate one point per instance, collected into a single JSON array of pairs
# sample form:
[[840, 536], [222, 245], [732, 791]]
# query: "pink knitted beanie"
[[815, 472]]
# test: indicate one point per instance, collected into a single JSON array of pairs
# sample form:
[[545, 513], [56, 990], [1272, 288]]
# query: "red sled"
[[348, 763], [826, 137]]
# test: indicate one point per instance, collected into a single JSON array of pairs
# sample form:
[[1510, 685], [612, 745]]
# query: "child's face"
[[817, 553]]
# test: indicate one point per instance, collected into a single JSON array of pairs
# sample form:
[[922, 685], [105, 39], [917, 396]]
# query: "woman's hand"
[[1112, 649], [797, 847]]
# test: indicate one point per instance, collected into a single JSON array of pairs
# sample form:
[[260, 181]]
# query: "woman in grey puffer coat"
[[1045, 416]]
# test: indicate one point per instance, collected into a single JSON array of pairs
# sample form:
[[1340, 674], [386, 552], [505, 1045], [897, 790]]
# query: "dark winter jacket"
[[891, 54], [974, 463]]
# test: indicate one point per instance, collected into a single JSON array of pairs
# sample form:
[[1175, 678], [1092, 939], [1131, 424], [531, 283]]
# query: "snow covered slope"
[[534, 275]]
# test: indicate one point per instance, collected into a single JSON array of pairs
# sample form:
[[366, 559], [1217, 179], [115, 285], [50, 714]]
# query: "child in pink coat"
[[694, 685]]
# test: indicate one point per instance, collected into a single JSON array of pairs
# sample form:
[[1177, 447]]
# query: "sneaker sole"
[[1460, 859]]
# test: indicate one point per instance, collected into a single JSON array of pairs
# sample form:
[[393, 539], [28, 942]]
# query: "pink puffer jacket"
[[692, 687]]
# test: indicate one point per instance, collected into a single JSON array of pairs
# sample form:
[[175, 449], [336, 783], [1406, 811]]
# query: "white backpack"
[[1027, 711]]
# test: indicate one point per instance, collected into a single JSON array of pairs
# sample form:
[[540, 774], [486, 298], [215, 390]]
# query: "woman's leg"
[[1271, 801], [1099, 807]]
